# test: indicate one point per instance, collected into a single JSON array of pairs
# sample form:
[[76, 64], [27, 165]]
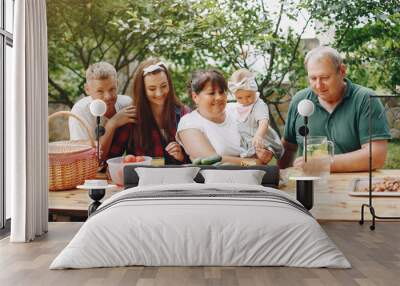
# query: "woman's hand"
[[175, 150], [264, 155]]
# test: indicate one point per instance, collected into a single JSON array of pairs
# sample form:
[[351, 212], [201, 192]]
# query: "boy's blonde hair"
[[100, 71]]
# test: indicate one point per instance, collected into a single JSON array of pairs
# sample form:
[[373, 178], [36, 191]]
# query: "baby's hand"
[[258, 142]]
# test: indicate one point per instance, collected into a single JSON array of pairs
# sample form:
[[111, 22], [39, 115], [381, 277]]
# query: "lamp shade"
[[305, 107], [98, 107]]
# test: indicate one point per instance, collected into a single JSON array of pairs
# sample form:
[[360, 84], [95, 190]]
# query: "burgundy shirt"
[[122, 142]]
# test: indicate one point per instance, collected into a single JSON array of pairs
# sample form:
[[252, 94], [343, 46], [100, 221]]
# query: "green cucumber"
[[211, 160], [197, 161], [217, 164]]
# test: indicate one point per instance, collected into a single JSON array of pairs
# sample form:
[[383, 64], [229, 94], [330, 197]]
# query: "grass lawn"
[[393, 156]]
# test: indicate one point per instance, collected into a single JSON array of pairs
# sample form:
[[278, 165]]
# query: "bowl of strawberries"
[[116, 166]]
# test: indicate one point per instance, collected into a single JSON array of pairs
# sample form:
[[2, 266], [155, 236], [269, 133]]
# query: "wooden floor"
[[374, 255]]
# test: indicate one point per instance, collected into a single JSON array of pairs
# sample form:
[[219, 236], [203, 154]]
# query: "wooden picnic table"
[[331, 198]]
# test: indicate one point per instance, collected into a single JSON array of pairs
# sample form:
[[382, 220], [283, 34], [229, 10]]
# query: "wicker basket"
[[71, 162]]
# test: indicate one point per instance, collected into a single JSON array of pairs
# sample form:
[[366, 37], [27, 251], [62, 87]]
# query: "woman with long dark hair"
[[158, 112]]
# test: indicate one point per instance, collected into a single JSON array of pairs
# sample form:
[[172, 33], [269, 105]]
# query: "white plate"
[[375, 194], [364, 183], [90, 187], [304, 178]]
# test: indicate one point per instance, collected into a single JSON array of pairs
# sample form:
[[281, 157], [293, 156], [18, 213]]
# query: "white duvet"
[[185, 230]]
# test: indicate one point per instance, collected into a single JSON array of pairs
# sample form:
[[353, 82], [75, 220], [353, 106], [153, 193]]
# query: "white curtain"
[[26, 124]]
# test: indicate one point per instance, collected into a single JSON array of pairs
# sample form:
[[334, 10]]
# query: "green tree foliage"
[[235, 33], [120, 32], [227, 34], [78, 34], [368, 33]]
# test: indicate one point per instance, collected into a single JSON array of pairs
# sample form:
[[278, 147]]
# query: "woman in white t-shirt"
[[210, 130]]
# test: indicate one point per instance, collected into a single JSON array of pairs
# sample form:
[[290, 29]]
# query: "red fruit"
[[140, 159], [129, 159]]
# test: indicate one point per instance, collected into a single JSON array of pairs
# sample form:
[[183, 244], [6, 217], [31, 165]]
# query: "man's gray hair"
[[100, 71], [323, 52]]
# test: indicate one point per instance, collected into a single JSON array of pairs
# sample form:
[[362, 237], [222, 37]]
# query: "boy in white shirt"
[[252, 116], [101, 83]]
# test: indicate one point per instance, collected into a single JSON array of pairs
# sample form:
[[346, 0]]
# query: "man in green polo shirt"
[[341, 114]]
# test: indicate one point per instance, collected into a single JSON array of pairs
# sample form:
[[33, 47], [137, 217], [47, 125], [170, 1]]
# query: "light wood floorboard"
[[374, 255]]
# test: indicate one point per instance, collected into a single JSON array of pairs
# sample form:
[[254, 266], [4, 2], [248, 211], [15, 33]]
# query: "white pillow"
[[166, 176], [248, 177]]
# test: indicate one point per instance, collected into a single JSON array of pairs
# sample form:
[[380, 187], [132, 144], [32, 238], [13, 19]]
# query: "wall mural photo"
[[221, 84]]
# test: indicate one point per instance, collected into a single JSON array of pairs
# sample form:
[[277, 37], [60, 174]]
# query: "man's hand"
[[288, 155], [315, 166], [257, 141], [299, 163], [175, 150], [122, 117], [264, 155]]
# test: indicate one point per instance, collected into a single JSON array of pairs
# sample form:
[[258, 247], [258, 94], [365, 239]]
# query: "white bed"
[[201, 224]]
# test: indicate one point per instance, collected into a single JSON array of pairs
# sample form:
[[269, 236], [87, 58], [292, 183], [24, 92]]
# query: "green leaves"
[[227, 34], [368, 33]]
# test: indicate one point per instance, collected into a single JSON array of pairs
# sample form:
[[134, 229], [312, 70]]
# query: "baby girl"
[[252, 116]]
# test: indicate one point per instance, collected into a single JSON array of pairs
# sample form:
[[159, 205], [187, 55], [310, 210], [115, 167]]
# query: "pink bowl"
[[116, 168]]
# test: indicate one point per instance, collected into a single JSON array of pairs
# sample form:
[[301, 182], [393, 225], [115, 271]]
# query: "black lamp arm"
[[305, 138], [99, 131]]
